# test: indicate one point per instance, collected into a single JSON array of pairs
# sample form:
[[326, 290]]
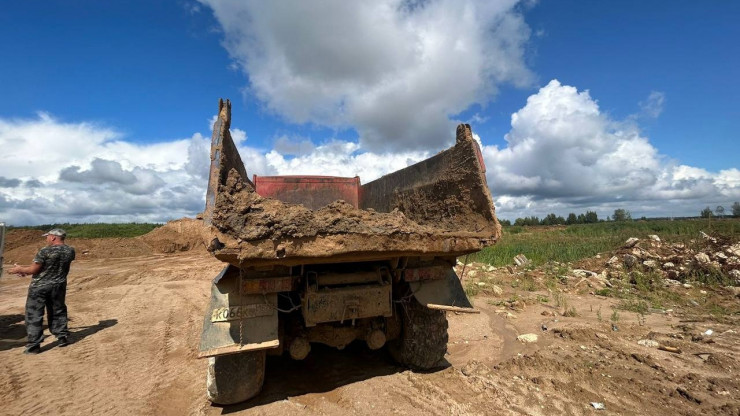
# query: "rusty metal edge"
[[236, 348]]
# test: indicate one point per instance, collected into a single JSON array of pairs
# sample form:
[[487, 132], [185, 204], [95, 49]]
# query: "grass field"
[[571, 243]]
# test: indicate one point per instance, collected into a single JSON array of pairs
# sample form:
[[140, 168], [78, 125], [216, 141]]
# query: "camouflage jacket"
[[54, 261]]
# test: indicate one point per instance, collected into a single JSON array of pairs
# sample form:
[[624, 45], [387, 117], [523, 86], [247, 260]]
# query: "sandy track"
[[136, 325]]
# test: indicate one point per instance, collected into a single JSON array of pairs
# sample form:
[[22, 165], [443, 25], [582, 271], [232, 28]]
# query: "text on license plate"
[[234, 313]]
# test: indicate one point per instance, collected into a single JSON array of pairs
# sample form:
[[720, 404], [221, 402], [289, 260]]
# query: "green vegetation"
[[590, 217], [621, 215], [604, 292], [525, 283], [555, 273], [615, 316], [633, 305], [541, 247], [126, 230], [471, 289], [560, 300], [711, 278], [644, 293], [574, 242]]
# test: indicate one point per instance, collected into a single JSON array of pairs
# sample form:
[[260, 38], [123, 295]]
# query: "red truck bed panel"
[[313, 192]]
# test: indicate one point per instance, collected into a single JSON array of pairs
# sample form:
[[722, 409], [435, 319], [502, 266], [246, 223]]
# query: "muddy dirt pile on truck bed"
[[256, 228], [241, 212]]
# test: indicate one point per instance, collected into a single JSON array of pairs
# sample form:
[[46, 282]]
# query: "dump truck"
[[320, 259]]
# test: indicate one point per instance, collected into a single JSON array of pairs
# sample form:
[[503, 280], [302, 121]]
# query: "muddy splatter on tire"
[[423, 341]]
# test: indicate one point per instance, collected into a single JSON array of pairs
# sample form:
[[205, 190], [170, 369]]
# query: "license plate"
[[235, 313]]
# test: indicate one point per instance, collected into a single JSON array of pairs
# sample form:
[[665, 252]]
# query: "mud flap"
[[445, 294], [236, 323]]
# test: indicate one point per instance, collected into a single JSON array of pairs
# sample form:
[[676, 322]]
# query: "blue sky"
[[619, 105]]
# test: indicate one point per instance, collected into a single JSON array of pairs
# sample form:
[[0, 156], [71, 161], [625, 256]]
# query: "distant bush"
[[621, 214]]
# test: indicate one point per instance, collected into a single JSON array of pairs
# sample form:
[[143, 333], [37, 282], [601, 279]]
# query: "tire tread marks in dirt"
[[169, 352], [11, 381]]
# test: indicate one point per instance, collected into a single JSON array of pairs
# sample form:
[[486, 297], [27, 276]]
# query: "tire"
[[235, 378], [423, 341]]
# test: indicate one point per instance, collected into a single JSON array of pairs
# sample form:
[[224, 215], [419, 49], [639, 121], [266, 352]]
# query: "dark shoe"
[[36, 349], [63, 341]]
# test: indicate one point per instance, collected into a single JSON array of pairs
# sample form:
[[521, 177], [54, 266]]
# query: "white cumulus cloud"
[[564, 154], [84, 171], [397, 71]]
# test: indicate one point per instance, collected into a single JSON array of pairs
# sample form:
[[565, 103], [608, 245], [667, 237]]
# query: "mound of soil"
[[89, 248], [177, 235], [102, 248], [22, 237], [21, 245]]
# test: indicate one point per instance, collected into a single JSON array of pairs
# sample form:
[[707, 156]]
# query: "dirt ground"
[[136, 308]]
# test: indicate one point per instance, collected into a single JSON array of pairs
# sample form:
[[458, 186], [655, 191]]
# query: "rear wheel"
[[423, 341], [235, 378]]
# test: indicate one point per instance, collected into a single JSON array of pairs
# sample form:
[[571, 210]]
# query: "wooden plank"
[[451, 308]]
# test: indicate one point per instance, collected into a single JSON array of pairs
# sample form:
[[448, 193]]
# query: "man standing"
[[47, 290]]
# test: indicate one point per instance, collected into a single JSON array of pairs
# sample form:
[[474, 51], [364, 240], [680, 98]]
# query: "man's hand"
[[16, 269], [25, 270]]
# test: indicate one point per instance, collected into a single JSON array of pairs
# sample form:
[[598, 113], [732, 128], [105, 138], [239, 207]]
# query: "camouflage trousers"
[[51, 298]]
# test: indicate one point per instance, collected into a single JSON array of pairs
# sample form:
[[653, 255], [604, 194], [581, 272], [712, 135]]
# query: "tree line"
[[620, 214], [720, 211], [552, 219]]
